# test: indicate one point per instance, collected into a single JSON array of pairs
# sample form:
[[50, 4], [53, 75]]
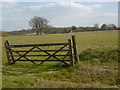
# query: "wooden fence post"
[[75, 50], [7, 52], [71, 53]]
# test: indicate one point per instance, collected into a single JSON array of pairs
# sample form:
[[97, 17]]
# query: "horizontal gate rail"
[[39, 55], [42, 60], [39, 51], [30, 45]]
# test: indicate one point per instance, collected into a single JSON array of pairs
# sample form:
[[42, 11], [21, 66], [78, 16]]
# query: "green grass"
[[91, 73]]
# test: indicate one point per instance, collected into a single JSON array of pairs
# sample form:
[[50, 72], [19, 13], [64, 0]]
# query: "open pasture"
[[84, 40], [27, 75]]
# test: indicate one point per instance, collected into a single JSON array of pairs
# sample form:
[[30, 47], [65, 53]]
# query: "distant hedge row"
[[3, 34]]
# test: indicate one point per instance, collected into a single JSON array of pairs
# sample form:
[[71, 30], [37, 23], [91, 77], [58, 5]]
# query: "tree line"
[[39, 25]]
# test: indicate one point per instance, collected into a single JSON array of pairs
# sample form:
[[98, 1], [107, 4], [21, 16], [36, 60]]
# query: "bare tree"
[[96, 25], [38, 23]]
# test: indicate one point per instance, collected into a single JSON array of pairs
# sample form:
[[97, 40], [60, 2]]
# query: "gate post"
[[76, 58], [71, 53], [7, 52]]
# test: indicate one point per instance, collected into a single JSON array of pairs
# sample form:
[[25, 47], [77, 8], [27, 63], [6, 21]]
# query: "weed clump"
[[100, 55]]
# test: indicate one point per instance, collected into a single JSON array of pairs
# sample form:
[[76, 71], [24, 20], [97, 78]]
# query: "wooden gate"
[[40, 53]]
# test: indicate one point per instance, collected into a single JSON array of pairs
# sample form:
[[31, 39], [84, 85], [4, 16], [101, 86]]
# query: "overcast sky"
[[16, 15]]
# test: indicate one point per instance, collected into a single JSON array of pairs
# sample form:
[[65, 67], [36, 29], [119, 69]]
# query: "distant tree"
[[96, 26], [74, 28], [112, 26], [104, 26], [109, 26], [38, 23]]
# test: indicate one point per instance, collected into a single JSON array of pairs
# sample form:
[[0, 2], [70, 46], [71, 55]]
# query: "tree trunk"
[[37, 32], [40, 31]]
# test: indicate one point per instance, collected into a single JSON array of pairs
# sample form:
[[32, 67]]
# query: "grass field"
[[87, 74]]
